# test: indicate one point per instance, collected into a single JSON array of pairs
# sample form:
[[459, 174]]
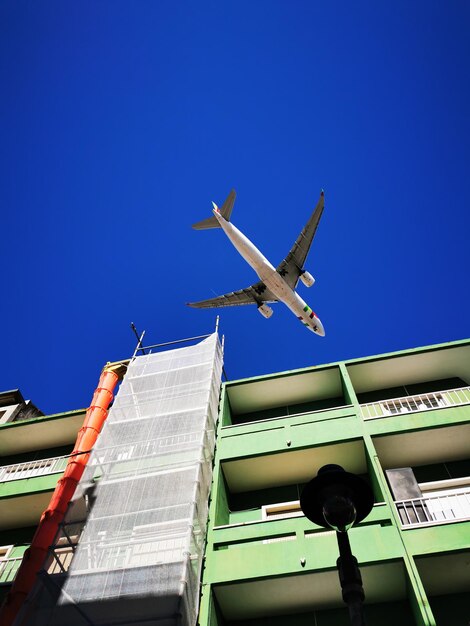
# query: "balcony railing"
[[58, 563], [414, 404], [31, 469], [59, 560], [8, 569], [435, 509]]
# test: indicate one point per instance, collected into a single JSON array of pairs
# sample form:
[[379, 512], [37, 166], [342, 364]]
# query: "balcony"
[[249, 466], [282, 395], [416, 403], [58, 563], [444, 507], [273, 569], [446, 581], [25, 490], [31, 469], [242, 544], [50, 431]]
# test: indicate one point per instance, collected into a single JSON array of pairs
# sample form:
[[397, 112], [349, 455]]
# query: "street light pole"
[[338, 499], [350, 580]]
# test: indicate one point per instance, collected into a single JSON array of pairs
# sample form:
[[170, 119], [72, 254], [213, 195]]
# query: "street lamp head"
[[339, 512], [336, 499]]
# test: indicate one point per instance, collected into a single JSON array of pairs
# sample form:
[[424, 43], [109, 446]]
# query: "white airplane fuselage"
[[272, 279]]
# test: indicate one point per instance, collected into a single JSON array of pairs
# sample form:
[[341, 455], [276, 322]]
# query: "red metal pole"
[[35, 555]]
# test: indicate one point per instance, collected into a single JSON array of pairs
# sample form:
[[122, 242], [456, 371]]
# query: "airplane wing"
[[256, 294], [291, 268]]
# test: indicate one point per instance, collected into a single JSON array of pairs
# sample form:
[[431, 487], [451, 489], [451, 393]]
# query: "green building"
[[400, 420], [34, 449], [266, 564]]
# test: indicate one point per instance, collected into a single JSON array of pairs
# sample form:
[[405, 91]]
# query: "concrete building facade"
[[400, 420]]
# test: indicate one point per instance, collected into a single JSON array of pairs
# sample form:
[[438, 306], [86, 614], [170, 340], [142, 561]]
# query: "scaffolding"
[[130, 548]]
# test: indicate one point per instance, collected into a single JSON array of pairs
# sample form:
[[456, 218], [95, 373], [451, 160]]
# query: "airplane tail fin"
[[227, 207], [225, 211]]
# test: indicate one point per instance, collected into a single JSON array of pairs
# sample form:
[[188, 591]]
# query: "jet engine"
[[307, 279], [265, 310]]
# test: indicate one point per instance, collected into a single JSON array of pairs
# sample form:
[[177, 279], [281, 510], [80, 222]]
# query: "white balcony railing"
[[414, 404], [8, 569], [435, 509], [30, 469]]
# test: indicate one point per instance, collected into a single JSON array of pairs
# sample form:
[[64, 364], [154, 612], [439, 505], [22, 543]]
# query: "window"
[[282, 510]]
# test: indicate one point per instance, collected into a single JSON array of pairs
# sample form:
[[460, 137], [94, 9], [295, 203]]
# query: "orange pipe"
[[35, 555]]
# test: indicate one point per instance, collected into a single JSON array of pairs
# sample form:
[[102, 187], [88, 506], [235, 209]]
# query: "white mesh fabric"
[[152, 463]]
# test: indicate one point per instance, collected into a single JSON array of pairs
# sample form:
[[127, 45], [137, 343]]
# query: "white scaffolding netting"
[[138, 559]]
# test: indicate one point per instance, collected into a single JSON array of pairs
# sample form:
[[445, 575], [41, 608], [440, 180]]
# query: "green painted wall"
[[439, 538], [222, 511], [268, 437], [37, 484]]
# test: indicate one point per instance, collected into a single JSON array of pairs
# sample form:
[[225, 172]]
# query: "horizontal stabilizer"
[[225, 211], [210, 222]]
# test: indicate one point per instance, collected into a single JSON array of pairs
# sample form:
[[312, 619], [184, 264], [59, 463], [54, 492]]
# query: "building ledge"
[[50, 431]]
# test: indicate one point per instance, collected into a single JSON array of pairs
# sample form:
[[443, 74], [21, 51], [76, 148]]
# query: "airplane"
[[276, 284]]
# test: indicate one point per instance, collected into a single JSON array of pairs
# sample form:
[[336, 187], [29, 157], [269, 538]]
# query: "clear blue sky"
[[121, 121]]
